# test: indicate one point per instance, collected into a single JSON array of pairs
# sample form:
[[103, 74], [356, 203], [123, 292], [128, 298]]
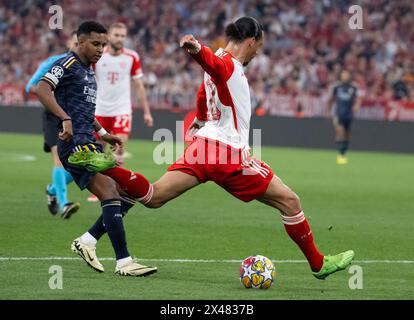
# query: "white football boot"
[[135, 269], [88, 254]]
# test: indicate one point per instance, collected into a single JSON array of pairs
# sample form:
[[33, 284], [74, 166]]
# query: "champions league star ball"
[[257, 272]]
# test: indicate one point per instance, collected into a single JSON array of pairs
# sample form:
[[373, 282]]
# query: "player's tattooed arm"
[[47, 98]]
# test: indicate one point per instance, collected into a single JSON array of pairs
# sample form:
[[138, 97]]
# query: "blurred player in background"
[[113, 74], [220, 149], [344, 101], [56, 191]]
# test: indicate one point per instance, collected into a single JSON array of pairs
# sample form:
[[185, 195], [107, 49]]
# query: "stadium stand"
[[307, 44]]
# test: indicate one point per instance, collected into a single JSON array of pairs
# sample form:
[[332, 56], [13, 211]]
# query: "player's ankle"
[[123, 262], [88, 240]]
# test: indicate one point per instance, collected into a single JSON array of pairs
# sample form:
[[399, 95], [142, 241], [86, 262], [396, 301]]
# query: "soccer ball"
[[257, 272]]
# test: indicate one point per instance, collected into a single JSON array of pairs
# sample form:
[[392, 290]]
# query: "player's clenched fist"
[[190, 43]]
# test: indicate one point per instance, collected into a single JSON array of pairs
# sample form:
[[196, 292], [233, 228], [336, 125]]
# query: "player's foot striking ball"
[[332, 264]]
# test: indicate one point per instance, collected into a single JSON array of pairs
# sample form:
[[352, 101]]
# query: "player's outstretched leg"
[[169, 186], [279, 196]]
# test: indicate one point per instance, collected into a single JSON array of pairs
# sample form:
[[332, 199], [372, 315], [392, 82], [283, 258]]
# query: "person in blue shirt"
[[68, 90], [344, 101], [56, 191]]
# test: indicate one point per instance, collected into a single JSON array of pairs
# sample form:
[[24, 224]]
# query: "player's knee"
[[154, 204], [159, 197], [292, 203], [156, 200]]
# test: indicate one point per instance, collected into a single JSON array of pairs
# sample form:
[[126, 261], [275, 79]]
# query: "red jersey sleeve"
[[201, 103], [136, 70], [218, 67]]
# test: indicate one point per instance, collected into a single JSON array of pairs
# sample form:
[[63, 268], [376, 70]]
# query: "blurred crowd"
[[307, 42]]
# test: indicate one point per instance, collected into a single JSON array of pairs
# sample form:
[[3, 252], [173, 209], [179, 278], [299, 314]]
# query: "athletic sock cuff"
[[111, 202], [128, 200], [292, 220], [147, 198]]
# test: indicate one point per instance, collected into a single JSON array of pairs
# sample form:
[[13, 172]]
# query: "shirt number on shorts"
[[121, 121]]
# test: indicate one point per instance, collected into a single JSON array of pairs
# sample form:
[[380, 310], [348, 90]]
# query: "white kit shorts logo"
[[57, 71]]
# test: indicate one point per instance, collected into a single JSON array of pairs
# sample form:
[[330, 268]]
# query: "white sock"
[[88, 239], [123, 262]]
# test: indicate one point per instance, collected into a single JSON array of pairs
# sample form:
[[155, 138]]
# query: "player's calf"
[[291, 203], [281, 197]]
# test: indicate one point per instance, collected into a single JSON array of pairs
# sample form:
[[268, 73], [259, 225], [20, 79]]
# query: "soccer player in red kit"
[[219, 151], [114, 72]]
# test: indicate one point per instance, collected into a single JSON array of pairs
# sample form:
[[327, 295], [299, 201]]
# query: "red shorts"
[[117, 124], [246, 178]]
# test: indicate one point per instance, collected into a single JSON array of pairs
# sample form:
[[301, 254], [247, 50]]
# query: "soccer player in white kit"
[[220, 149], [113, 74]]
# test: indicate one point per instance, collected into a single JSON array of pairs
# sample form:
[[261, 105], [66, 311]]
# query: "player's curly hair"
[[90, 26], [243, 28]]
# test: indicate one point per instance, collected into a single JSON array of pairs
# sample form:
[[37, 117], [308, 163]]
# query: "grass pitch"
[[198, 240]]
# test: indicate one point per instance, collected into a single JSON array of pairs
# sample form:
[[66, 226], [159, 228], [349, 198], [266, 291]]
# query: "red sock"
[[133, 183], [299, 231]]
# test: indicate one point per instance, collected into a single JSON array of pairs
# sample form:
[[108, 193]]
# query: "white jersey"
[[113, 76], [227, 97]]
